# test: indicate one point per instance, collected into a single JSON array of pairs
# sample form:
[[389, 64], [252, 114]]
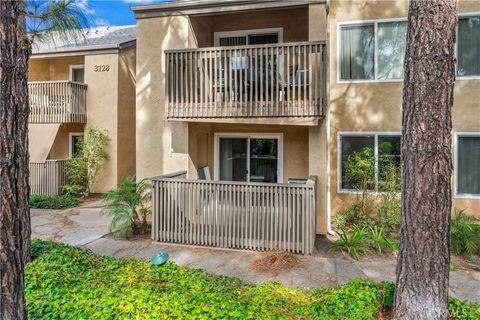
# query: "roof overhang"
[[84, 51], [204, 7]]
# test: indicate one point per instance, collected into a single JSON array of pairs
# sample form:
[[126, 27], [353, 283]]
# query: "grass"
[[64, 282]]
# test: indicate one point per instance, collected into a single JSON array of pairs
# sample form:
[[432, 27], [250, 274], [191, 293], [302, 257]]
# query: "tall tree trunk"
[[423, 262], [14, 190]]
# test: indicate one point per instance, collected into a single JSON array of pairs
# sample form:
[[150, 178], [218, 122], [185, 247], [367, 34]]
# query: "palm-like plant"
[[354, 243], [127, 204], [465, 234]]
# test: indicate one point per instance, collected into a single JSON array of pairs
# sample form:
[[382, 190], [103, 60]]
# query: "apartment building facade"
[[248, 110], [74, 85]]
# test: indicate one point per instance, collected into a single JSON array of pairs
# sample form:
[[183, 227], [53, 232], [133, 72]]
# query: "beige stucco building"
[[79, 84], [276, 91]]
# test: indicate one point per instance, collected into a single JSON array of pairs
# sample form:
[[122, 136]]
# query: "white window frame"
[[375, 135], [464, 15], [248, 136], [375, 35], [455, 165], [74, 67], [246, 33], [70, 144], [375, 22]]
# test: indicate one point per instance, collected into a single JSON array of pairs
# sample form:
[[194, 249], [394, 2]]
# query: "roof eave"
[[86, 50], [211, 6]]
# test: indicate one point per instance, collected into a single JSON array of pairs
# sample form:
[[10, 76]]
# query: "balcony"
[[57, 102], [266, 81]]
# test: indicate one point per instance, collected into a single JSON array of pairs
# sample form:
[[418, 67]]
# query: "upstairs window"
[[248, 37], [77, 73], [372, 51], [468, 46]]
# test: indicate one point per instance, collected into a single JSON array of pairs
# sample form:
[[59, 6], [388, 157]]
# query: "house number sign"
[[101, 68]]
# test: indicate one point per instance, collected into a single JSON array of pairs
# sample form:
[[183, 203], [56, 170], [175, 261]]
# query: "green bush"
[[465, 234], [38, 201], [354, 243], [74, 190], [64, 282]]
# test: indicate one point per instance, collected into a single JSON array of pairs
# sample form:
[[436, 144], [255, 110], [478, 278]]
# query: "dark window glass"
[[389, 159], [468, 46], [263, 160], [357, 52], [233, 41], [350, 146], [468, 166], [263, 38], [233, 159]]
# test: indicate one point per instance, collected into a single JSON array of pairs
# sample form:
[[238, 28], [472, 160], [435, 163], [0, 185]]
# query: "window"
[[372, 51], [248, 37], [369, 160], [77, 73], [255, 159], [467, 164], [468, 46], [75, 144]]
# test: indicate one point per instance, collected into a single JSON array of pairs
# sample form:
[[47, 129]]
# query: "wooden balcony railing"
[[244, 215], [57, 102], [281, 80]]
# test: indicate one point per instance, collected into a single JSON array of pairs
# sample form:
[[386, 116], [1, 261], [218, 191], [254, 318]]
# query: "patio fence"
[[48, 178], [245, 215]]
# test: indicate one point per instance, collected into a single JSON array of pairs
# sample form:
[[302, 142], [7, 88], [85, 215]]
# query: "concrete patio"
[[85, 227]]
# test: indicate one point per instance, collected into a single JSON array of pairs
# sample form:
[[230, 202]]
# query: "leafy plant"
[[38, 201], [74, 190], [127, 205], [82, 172], [392, 244], [377, 239], [465, 234], [64, 282], [353, 215], [354, 243]]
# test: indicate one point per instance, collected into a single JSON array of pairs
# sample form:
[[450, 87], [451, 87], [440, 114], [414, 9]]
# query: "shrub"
[[354, 243], [38, 201], [392, 244], [127, 205], [465, 234], [377, 239], [64, 282], [74, 190], [83, 171], [352, 216], [359, 299]]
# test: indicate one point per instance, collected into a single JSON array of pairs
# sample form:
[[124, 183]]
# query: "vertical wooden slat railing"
[[279, 80], [256, 216], [57, 102], [48, 178]]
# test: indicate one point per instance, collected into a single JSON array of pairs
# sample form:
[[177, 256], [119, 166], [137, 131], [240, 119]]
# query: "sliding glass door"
[[248, 159]]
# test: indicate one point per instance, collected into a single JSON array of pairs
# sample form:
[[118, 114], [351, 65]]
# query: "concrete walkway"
[[85, 227]]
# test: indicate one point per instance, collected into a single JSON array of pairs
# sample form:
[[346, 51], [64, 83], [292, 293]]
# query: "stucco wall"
[[52, 69], [162, 147], [126, 114], [61, 145], [377, 106], [201, 140], [293, 21], [102, 112]]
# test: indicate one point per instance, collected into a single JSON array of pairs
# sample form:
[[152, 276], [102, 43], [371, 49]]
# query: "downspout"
[[327, 111]]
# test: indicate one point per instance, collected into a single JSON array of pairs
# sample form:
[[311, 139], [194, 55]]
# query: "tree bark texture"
[[14, 159], [424, 258]]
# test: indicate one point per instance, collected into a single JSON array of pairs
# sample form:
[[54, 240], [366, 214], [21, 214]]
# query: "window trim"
[[457, 135], [70, 144], [375, 22], [248, 136], [246, 33], [375, 134], [73, 67]]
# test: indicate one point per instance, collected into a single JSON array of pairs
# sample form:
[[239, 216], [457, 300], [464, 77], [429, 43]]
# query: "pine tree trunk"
[[423, 262], [14, 190]]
